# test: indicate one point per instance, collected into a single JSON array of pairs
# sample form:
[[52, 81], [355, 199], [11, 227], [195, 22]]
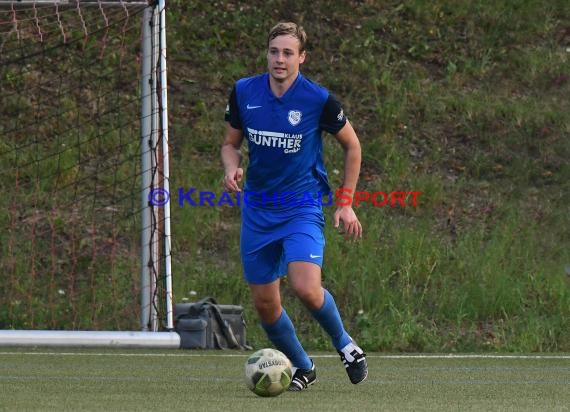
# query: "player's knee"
[[268, 309], [264, 305], [312, 298]]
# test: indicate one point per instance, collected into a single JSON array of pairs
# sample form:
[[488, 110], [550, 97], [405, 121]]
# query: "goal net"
[[71, 176]]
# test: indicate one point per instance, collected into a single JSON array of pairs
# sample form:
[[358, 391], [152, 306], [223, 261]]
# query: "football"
[[268, 372]]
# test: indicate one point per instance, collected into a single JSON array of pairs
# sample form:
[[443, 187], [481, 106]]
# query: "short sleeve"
[[332, 118], [232, 111]]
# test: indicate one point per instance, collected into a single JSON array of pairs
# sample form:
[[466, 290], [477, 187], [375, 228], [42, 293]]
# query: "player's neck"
[[280, 86]]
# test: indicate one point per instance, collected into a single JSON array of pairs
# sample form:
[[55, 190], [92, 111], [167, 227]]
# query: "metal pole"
[[156, 167], [72, 3], [146, 168], [106, 339], [166, 168]]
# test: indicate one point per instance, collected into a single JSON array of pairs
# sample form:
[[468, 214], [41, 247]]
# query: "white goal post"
[[155, 131], [77, 182]]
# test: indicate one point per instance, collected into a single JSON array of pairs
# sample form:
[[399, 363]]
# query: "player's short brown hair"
[[289, 28]]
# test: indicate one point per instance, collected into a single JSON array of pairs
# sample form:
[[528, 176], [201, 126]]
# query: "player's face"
[[284, 58]]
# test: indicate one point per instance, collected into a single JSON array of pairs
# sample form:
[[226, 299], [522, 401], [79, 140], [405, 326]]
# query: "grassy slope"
[[464, 102]]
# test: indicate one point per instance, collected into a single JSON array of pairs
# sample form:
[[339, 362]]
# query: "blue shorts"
[[270, 240]]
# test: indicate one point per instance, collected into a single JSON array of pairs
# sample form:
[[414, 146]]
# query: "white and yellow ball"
[[268, 372]]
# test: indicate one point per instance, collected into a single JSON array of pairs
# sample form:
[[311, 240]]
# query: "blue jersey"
[[284, 137]]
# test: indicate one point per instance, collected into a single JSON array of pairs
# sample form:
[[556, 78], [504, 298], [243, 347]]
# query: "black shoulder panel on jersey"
[[232, 111], [332, 117]]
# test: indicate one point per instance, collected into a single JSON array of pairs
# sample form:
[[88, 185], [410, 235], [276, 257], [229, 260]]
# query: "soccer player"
[[283, 115]]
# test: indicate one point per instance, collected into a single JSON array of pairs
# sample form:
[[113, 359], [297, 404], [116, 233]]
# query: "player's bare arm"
[[231, 159], [347, 138]]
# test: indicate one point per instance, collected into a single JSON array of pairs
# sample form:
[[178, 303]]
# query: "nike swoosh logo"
[[252, 107], [314, 256]]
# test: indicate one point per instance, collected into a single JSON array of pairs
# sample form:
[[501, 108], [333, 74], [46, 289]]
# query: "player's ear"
[[302, 56]]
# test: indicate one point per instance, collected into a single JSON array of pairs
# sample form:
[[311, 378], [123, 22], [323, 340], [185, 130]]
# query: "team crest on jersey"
[[294, 117]]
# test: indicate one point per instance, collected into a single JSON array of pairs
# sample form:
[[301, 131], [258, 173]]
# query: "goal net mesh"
[[70, 178]]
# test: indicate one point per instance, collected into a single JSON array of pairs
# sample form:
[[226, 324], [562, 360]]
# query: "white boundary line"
[[221, 354]]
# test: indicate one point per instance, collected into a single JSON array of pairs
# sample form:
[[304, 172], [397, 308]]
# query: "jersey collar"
[[290, 90]]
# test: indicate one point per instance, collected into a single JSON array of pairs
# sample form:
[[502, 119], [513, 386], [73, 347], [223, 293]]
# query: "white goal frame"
[[155, 118], [155, 242]]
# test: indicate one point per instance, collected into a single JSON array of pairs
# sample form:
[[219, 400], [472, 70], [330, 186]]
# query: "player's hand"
[[351, 227], [232, 179]]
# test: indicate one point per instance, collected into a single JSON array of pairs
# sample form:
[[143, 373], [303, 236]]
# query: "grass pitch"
[[153, 380]]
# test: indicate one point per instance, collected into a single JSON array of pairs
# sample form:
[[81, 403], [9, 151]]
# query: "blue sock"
[[282, 334], [329, 318]]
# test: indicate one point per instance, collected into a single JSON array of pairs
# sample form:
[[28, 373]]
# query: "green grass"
[[464, 101], [147, 380]]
